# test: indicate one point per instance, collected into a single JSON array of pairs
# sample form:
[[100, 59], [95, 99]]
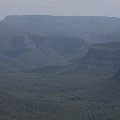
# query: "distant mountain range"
[[90, 28]]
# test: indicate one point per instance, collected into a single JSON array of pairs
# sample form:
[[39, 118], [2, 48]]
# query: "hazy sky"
[[60, 7]]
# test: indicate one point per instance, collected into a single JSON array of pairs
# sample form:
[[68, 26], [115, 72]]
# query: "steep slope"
[[36, 51], [93, 29], [105, 54], [102, 58], [101, 61]]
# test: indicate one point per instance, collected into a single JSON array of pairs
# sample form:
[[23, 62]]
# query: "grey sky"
[[60, 7]]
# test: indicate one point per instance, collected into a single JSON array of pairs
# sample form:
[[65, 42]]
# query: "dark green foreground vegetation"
[[34, 97]]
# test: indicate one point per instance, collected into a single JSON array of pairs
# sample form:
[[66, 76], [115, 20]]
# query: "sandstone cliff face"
[[101, 60], [105, 53], [37, 51]]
